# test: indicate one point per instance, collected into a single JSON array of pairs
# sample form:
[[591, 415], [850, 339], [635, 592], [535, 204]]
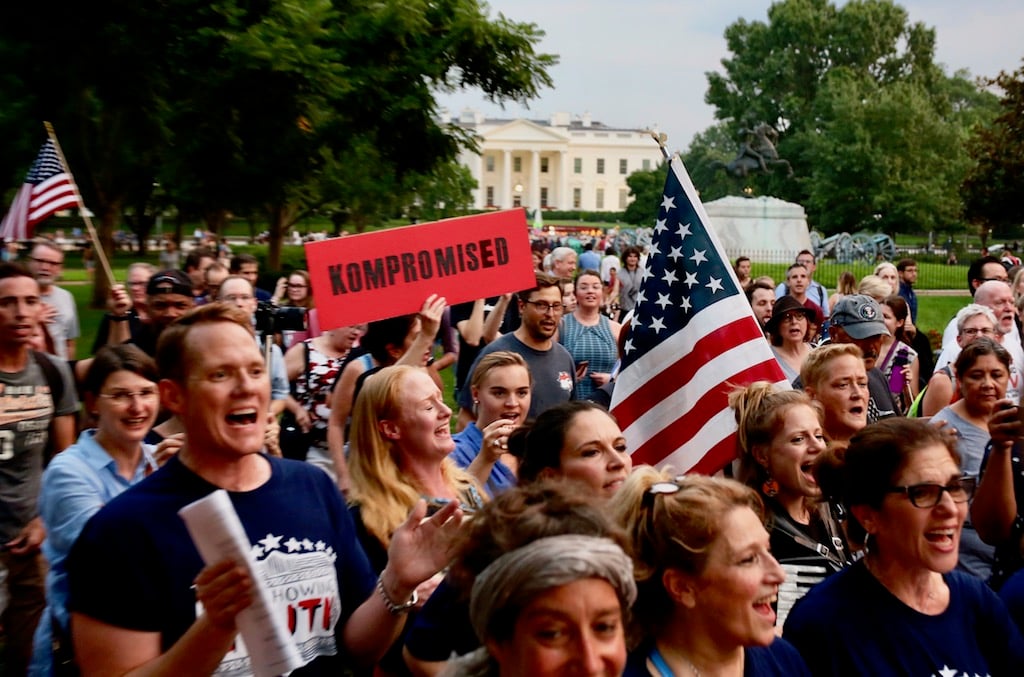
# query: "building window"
[[489, 159], [577, 165], [623, 197], [647, 165], [517, 200], [599, 199], [543, 196], [517, 164], [600, 165], [623, 164], [544, 165], [577, 197], [490, 196]]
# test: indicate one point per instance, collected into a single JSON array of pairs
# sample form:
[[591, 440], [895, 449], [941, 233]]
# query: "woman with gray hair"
[[554, 607], [972, 321]]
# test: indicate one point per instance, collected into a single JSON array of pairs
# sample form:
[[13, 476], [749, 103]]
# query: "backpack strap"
[[52, 375]]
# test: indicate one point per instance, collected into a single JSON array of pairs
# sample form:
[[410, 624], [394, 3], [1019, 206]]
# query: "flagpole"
[[100, 252]]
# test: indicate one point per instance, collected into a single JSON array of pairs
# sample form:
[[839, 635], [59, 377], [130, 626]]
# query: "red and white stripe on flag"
[[693, 339], [48, 188]]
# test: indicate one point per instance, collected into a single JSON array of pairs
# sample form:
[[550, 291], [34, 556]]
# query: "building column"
[[534, 180], [506, 180], [564, 199], [476, 168]]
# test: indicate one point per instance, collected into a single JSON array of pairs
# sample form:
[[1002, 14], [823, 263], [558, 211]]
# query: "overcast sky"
[[640, 63]]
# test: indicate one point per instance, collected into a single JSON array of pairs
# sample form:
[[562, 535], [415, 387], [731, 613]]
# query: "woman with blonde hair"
[[875, 287], [780, 440], [706, 578], [401, 439], [846, 284]]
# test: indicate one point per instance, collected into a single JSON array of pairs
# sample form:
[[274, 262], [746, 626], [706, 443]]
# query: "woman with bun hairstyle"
[[706, 578], [780, 439]]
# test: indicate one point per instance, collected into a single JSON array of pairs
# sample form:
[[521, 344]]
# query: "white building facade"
[[561, 163]]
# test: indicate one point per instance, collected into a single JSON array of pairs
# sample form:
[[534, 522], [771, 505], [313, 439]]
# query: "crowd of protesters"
[[872, 522]]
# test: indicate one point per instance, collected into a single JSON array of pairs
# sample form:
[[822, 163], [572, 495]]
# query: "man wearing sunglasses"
[[551, 365]]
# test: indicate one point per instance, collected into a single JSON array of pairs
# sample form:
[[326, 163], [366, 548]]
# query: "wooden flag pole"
[[97, 248]]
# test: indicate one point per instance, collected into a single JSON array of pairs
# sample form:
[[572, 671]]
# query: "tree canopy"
[[265, 106], [873, 128], [995, 184]]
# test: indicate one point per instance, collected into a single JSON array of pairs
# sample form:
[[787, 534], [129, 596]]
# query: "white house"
[[561, 163]]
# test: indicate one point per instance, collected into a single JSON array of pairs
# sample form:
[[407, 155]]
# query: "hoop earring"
[[867, 546], [770, 488]]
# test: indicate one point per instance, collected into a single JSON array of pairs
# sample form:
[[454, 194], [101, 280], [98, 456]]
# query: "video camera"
[[271, 319]]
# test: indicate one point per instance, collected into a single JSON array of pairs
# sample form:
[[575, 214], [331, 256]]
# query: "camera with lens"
[[271, 319]]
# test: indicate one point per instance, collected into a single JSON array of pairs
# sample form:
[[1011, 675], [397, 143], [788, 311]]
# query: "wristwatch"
[[118, 318]]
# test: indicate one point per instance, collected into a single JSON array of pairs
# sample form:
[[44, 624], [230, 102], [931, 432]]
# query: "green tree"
[[645, 188], [239, 107], [993, 188], [871, 125]]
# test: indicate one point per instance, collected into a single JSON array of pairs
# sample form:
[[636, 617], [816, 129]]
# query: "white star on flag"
[[714, 285], [698, 256], [668, 202], [657, 324]]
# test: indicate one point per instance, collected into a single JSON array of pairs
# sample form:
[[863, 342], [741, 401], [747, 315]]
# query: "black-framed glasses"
[[1005, 280], [928, 495], [974, 331], [46, 261], [545, 307]]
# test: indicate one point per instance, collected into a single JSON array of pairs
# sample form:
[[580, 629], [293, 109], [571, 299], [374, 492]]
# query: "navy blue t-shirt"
[[134, 563], [850, 624]]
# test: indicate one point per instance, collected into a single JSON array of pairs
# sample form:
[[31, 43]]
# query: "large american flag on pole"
[[48, 188], [693, 339]]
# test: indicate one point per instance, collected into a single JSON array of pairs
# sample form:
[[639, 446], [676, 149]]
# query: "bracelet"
[[118, 318], [395, 609]]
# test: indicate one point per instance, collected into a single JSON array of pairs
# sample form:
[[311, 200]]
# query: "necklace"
[[656, 661]]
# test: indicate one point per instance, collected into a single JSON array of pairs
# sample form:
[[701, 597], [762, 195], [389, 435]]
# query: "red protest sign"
[[373, 276]]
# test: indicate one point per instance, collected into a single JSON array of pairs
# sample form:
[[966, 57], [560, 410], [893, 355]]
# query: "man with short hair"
[[798, 282], [196, 263], [762, 299], [981, 271], [589, 259], [213, 278], [563, 262], [46, 262], [238, 291], [168, 297], [37, 414], [907, 270], [135, 284], [551, 365], [248, 266], [857, 319], [815, 291], [998, 297], [141, 597]]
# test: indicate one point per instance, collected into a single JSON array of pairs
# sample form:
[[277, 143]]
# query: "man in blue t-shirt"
[[140, 595]]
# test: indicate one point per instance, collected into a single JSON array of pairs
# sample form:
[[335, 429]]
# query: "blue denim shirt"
[[77, 483]]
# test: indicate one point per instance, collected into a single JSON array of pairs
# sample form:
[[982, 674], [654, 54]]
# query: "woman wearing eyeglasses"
[[789, 330], [294, 291], [706, 578], [902, 609], [972, 321], [120, 391], [982, 372]]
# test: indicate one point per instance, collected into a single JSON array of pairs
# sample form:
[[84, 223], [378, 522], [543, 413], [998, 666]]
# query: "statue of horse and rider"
[[757, 154]]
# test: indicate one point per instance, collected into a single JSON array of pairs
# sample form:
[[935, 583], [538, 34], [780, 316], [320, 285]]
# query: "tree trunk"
[[109, 217], [281, 217]]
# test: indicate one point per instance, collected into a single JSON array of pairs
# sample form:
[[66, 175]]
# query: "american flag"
[[48, 188], [694, 338]]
